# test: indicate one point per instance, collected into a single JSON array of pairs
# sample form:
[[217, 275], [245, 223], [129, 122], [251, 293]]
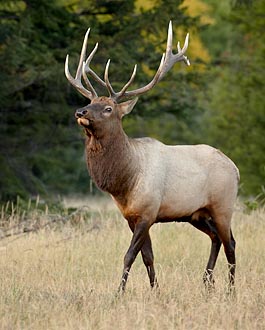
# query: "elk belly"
[[83, 121]]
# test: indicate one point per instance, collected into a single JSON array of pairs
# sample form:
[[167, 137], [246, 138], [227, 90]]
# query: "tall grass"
[[65, 275]]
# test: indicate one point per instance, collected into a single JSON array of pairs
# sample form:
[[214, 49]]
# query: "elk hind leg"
[[225, 233], [208, 227]]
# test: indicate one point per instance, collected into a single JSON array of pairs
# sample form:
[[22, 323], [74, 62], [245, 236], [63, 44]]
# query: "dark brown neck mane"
[[111, 162]]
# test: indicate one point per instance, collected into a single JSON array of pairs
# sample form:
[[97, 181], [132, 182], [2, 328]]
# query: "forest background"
[[219, 100]]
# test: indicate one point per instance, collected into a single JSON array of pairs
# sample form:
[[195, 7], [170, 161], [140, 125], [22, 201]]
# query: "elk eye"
[[108, 110]]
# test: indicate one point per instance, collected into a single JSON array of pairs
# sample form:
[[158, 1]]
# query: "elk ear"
[[126, 107]]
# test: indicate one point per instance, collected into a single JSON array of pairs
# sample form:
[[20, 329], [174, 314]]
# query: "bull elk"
[[149, 181]]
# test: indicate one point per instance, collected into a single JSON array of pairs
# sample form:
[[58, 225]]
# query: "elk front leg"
[[139, 236], [148, 259]]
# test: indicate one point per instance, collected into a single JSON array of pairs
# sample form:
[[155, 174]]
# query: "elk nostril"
[[80, 113]]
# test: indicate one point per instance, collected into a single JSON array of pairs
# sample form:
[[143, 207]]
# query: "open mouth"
[[83, 122]]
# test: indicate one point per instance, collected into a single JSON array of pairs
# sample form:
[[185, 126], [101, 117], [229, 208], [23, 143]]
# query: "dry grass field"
[[65, 275]]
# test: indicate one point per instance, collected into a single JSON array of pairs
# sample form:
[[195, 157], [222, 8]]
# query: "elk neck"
[[112, 162]]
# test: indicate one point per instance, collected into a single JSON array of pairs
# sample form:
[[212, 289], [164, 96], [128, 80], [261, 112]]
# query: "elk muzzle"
[[79, 115]]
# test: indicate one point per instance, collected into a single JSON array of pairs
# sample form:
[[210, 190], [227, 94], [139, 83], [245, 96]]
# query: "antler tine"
[[82, 56], [186, 60], [89, 70], [88, 83], [169, 38], [76, 82], [182, 51], [126, 86], [167, 61], [186, 43], [108, 84], [143, 89], [115, 96], [171, 58]]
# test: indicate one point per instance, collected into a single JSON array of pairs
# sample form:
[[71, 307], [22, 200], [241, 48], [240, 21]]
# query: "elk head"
[[103, 113]]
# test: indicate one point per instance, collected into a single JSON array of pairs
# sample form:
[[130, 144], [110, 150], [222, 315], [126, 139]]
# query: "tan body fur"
[[170, 177]]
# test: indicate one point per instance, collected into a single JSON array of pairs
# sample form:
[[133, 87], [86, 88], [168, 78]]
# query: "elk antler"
[[76, 82], [167, 61]]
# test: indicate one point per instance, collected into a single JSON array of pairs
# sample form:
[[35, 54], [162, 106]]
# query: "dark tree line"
[[222, 104]]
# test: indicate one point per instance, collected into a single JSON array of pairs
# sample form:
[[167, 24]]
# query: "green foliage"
[[41, 146], [235, 120], [253, 204], [34, 113]]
